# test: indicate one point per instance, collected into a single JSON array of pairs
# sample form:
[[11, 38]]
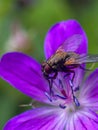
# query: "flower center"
[[62, 92]]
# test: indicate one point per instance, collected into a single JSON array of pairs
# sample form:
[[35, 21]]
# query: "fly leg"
[[54, 76], [81, 67], [72, 80], [50, 82], [49, 95], [87, 69], [68, 73]]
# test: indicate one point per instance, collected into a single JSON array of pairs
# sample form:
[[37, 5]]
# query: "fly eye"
[[47, 69]]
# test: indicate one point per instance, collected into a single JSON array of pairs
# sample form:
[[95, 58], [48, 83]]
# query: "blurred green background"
[[26, 22]]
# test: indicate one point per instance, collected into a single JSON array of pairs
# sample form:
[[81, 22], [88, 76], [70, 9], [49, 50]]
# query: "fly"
[[66, 61]]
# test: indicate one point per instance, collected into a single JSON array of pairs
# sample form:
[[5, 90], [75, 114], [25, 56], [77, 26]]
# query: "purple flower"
[[61, 111]]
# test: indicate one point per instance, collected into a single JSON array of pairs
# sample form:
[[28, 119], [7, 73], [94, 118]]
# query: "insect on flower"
[[24, 73], [66, 62]]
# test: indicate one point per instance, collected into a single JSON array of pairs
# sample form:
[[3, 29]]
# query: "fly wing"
[[72, 43], [86, 59]]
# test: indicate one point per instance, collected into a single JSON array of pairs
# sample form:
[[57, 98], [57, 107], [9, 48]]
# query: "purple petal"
[[36, 119], [79, 73], [24, 73], [68, 33], [82, 120], [86, 120], [89, 90]]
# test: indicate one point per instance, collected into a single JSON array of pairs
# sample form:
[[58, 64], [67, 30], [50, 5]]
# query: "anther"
[[76, 89], [62, 106], [76, 101]]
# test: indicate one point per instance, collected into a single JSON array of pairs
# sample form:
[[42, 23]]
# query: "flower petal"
[[79, 73], [37, 119], [68, 33], [89, 91], [24, 73], [86, 120]]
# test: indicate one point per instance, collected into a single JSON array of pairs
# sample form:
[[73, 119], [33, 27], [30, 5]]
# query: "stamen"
[[76, 89], [74, 98], [48, 96], [60, 96], [62, 106], [53, 94], [76, 101], [62, 90], [71, 83]]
